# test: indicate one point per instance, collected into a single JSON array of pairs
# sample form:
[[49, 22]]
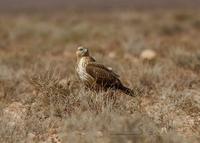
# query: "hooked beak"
[[85, 50]]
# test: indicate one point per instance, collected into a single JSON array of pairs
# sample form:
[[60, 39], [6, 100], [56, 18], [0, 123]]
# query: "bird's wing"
[[101, 73], [110, 69]]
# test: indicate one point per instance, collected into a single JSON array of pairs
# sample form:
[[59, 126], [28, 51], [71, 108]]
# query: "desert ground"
[[43, 100]]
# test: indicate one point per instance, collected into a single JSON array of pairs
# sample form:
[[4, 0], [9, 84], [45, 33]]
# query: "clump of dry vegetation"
[[42, 100]]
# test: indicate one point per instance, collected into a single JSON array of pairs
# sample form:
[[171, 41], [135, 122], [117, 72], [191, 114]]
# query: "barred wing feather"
[[101, 74]]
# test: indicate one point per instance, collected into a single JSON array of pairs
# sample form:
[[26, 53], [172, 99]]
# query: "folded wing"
[[103, 76]]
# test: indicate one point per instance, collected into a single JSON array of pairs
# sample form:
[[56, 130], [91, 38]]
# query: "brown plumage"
[[96, 76]]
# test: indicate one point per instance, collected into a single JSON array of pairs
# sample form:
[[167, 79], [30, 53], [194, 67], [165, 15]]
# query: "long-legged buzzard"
[[96, 76]]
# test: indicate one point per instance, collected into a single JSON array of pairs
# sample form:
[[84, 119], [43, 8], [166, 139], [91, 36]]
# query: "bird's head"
[[82, 52]]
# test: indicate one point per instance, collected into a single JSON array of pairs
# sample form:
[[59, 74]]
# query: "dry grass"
[[42, 100]]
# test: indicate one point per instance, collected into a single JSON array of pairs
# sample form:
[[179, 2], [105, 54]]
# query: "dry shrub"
[[187, 60], [191, 106], [110, 127], [52, 95], [148, 78], [196, 24], [170, 30], [182, 17], [8, 92], [9, 133], [99, 102]]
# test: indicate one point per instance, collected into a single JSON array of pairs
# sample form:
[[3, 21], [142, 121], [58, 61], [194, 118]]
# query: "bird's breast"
[[81, 69]]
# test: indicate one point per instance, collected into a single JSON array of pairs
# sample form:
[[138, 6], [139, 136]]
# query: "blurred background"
[[153, 45], [59, 5]]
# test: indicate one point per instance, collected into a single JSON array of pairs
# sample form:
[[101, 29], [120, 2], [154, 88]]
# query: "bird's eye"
[[81, 49]]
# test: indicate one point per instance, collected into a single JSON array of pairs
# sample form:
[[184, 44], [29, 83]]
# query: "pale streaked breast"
[[81, 69]]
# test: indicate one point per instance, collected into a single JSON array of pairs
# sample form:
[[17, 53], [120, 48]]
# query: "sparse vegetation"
[[42, 100]]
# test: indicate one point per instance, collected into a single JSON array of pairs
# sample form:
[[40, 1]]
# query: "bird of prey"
[[96, 76]]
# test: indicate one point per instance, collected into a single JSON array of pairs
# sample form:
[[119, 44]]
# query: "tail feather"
[[127, 91]]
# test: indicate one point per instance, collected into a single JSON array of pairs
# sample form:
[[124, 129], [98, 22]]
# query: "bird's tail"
[[127, 91]]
